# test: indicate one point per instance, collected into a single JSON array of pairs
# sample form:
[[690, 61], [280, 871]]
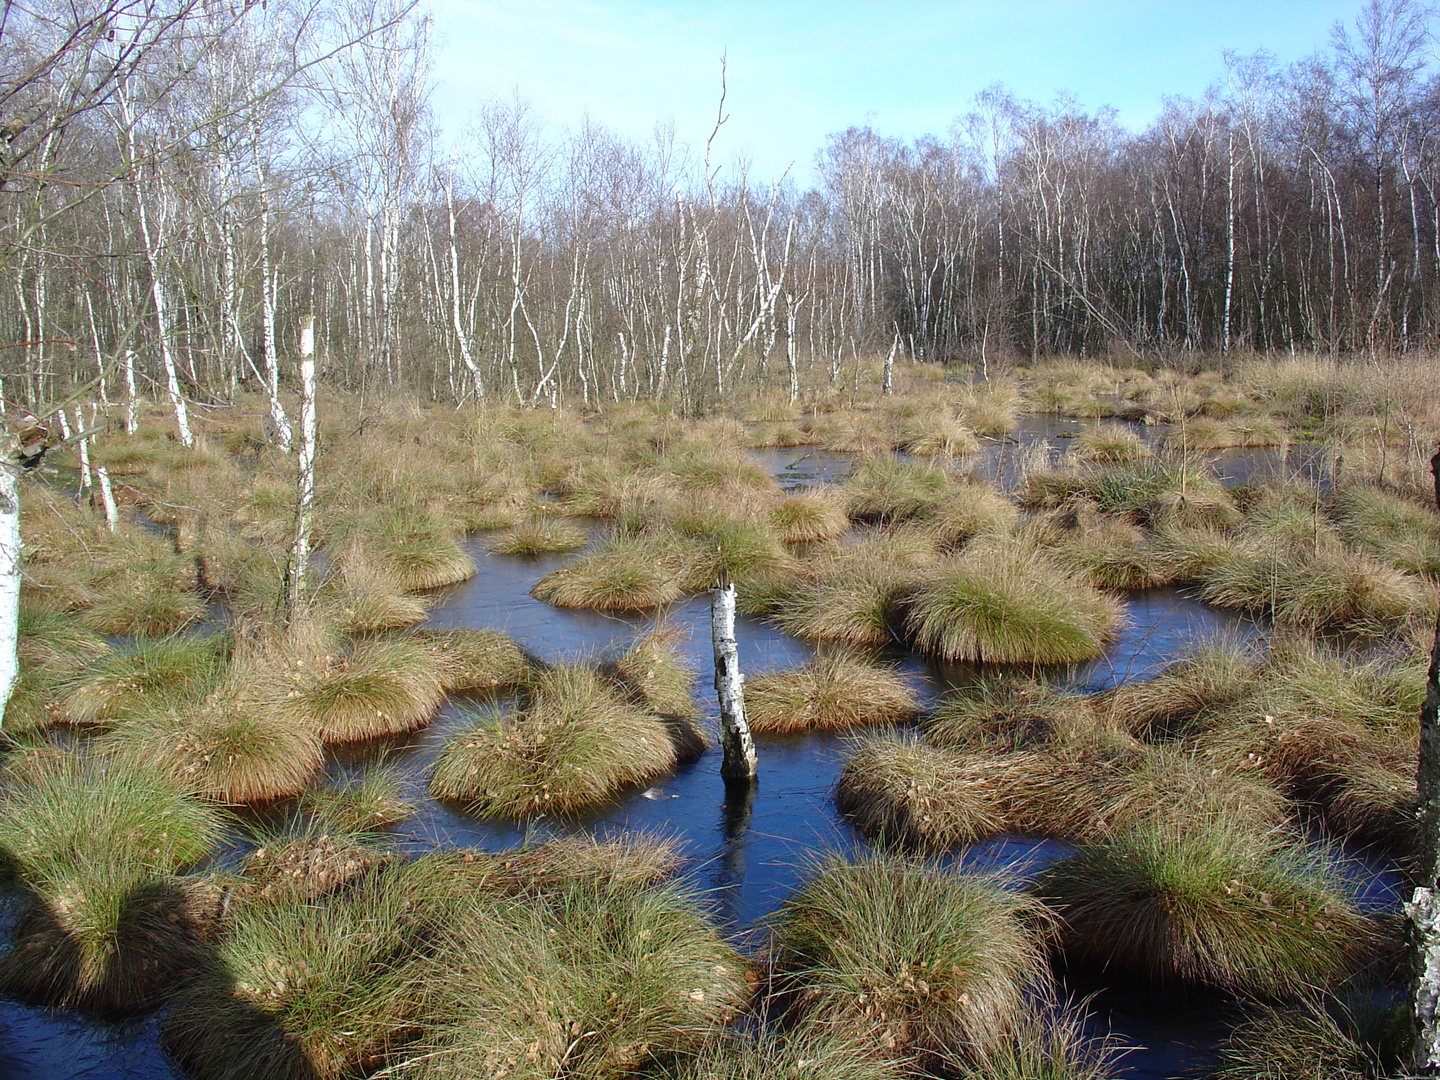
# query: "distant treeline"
[[183, 183]]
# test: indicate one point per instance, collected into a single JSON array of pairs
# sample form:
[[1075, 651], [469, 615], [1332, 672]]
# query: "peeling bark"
[[740, 761]]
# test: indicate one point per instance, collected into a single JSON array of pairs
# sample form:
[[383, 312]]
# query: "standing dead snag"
[[1423, 911], [739, 762]]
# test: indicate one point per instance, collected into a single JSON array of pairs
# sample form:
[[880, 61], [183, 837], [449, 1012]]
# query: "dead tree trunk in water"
[[740, 762], [1423, 911]]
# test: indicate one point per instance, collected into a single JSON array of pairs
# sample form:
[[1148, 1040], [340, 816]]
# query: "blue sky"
[[800, 70]]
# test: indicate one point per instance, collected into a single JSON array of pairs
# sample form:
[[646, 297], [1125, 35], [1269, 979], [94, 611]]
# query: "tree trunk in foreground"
[[740, 762], [1423, 911]]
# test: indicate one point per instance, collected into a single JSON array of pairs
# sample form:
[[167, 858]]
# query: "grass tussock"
[[838, 689], [540, 535], [810, 517], [1282, 1042], [573, 745], [93, 844], [910, 956], [641, 970], [899, 789], [1008, 713], [230, 748], [1218, 903], [819, 1053], [1003, 606], [476, 661], [627, 573]]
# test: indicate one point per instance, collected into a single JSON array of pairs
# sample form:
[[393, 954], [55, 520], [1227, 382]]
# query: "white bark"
[[740, 761], [9, 578], [82, 449], [305, 459], [107, 496], [129, 361], [888, 383]]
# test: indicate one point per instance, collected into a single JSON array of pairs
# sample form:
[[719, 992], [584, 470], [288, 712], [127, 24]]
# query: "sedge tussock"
[[230, 748], [641, 970], [377, 688], [538, 536], [627, 573], [910, 956], [475, 661], [1210, 678], [153, 673], [810, 517], [994, 605], [92, 844], [574, 745], [899, 789], [1217, 902], [838, 689], [886, 489], [300, 989]]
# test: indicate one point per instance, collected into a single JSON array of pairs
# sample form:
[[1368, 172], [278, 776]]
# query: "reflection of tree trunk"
[[735, 814], [1423, 911]]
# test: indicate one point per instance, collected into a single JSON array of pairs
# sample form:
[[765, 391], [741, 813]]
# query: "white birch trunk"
[[83, 450], [107, 496], [305, 459], [129, 391], [1423, 911], [888, 382], [740, 761], [9, 577]]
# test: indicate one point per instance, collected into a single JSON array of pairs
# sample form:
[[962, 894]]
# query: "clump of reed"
[[349, 692], [885, 489], [93, 845], [540, 534], [1003, 605], [810, 517], [909, 956], [475, 661], [1210, 678], [626, 573], [1279, 1042], [899, 789], [306, 988], [1390, 528], [838, 689], [230, 747], [1214, 902], [640, 970], [574, 744], [1108, 444], [358, 803], [149, 675]]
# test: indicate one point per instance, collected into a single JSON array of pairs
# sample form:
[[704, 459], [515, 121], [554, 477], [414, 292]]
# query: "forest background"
[[185, 182]]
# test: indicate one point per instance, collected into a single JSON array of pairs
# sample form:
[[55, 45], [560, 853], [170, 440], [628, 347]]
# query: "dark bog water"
[[747, 854]]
